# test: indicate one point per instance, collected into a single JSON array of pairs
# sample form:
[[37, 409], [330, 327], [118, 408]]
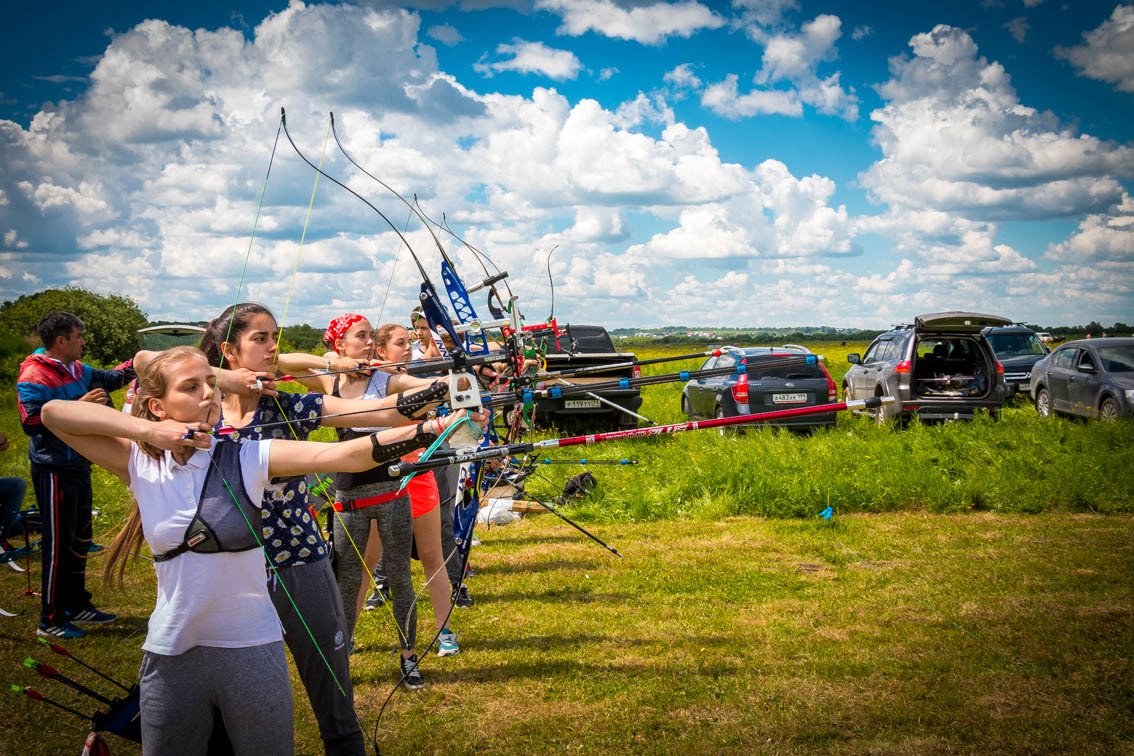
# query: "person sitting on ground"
[[12, 492]]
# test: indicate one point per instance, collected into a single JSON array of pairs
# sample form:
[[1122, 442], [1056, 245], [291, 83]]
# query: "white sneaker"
[[447, 643]]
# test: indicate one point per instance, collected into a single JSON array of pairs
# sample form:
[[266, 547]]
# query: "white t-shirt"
[[218, 600]]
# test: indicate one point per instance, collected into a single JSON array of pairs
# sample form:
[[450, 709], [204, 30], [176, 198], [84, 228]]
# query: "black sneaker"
[[463, 599], [411, 675], [91, 616], [379, 596]]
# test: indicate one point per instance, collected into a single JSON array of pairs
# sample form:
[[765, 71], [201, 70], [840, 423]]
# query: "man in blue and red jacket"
[[60, 476]]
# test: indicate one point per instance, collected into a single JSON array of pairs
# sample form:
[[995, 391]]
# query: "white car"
[[1045, 337]]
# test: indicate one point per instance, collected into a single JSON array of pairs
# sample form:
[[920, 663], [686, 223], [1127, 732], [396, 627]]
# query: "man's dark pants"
[[65, 499]]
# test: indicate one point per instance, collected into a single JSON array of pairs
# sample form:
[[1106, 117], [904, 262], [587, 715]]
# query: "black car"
[[1088, 377], [590, 347], [764, 387], [1018, 348], [940, 368]]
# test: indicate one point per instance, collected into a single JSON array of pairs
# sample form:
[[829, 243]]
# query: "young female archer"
[[373, 500], [432, 498], [244, 337], [214, 638]]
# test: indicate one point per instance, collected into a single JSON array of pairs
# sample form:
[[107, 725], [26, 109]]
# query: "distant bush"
[[112, 321]]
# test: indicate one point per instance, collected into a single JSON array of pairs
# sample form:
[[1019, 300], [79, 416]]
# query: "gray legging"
[[447, 492], [395, 528]]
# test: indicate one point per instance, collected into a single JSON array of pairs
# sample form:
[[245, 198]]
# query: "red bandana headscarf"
[[339, 326]]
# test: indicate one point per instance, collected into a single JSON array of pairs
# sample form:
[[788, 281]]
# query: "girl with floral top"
[[245, 336]]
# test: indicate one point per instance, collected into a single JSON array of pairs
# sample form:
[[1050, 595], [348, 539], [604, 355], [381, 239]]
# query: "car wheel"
[[846, 393], [1108, 410], [1043, 402], [880, 415], [685, 406], [719, 414]]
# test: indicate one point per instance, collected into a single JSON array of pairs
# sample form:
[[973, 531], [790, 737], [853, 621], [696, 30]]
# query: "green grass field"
[[971, 594]]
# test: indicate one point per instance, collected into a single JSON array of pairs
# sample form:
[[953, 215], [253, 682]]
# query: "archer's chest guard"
[[225, 515]]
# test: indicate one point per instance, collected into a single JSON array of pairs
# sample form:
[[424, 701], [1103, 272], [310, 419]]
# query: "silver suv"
[[939, 368]]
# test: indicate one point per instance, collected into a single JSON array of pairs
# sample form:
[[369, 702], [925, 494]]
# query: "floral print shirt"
[[290, 532]]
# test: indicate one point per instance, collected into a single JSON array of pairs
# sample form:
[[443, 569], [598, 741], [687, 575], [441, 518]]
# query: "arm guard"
[[398, 449], [411, 404]]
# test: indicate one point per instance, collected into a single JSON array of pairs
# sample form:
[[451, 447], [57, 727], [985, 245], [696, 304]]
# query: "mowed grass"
[[891, 633], [739, 621]]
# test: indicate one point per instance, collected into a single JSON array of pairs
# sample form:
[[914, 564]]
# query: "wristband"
[[380, 452], [412, 403]]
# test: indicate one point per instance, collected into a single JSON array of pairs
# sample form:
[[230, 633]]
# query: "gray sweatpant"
[[312, 588], [250, 687], [395, 528]]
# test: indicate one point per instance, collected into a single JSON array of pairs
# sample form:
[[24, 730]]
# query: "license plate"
[[788, 398], [581, 403]]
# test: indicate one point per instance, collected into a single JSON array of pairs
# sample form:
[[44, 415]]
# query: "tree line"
[[113, 320]]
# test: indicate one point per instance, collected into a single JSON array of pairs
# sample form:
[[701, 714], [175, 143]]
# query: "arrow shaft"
[[450, 457]]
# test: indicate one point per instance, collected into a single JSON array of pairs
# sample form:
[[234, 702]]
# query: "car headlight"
[[1129, 395]]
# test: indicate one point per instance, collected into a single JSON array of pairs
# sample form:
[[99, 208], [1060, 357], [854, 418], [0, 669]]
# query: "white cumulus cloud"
[[446, 34], [724, 99], [789, 59], [1102, 238], [649, 23], [955, 137], [1107, 52], [533, 57]]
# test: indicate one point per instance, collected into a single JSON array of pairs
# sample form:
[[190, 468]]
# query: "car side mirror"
[[1087, 369], [854, 358]]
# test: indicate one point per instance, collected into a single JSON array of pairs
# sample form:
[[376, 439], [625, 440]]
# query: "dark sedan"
[[1089, 377], [764, 387]]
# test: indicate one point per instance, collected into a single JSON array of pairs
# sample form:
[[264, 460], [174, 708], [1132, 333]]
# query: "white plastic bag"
[[497, 512]]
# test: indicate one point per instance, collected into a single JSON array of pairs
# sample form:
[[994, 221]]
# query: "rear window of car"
[[765, 366], [946, 349], [587, 340]]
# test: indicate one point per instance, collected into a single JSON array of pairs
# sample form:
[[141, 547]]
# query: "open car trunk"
[[946, 366]]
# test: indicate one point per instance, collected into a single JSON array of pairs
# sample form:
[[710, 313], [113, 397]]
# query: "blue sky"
[[761, 162]]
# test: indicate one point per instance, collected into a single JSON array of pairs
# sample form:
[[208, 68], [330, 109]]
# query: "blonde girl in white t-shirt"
[[214, 640]]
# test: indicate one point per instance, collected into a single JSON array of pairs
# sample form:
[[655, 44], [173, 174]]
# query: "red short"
[[423, 495]]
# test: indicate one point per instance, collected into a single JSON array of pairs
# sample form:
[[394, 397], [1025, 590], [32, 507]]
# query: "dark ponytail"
[[228, 327]]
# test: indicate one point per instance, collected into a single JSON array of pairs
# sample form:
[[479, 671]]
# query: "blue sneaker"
[[447, 643], [91, 616], [94, 548], [64, 631]]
